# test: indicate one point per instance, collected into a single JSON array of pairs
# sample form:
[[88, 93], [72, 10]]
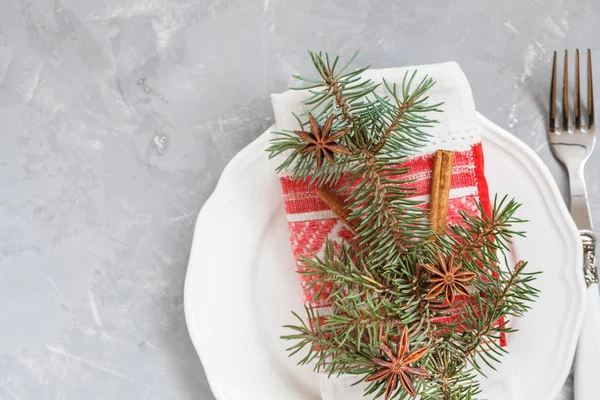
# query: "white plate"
[[241, 282]]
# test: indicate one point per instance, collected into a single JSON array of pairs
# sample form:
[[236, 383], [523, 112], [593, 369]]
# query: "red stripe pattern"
[[311, 222]]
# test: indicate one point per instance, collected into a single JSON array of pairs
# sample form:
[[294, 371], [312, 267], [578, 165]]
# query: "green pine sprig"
[[377, 282]]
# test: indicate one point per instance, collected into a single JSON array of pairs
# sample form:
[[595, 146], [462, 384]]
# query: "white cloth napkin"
[[457, 131]]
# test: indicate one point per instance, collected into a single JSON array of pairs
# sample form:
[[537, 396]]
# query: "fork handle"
[[580, 208], [587, 358]]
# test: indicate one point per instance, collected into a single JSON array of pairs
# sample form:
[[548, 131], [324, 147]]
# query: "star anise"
[[322, 140], [396, 367], [448, 278]]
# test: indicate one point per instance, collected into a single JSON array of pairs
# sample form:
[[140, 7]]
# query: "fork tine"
[[577, 97], [552, 119], [590, 91], [565, 111]]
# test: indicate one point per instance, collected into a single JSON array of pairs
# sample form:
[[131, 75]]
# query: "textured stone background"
[[117, 117]]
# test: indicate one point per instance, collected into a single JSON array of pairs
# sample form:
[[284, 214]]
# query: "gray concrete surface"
[[117, 117]]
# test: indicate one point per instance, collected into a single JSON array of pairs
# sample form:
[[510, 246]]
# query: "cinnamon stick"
[[440, 189], [337, 206]]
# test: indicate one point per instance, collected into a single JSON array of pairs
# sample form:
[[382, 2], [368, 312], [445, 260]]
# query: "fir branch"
[[406, 108], [375, 284], [365, 309]]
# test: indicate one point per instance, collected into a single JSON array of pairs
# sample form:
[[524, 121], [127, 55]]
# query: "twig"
[[337, 206]]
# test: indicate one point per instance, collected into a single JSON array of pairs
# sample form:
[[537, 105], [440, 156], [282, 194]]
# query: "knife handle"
[[587, 358]]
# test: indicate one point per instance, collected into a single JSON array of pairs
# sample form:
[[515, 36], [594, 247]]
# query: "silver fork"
[[572, 145]]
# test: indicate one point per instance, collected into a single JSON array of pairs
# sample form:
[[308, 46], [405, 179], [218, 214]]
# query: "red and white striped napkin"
[[311, 222]]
